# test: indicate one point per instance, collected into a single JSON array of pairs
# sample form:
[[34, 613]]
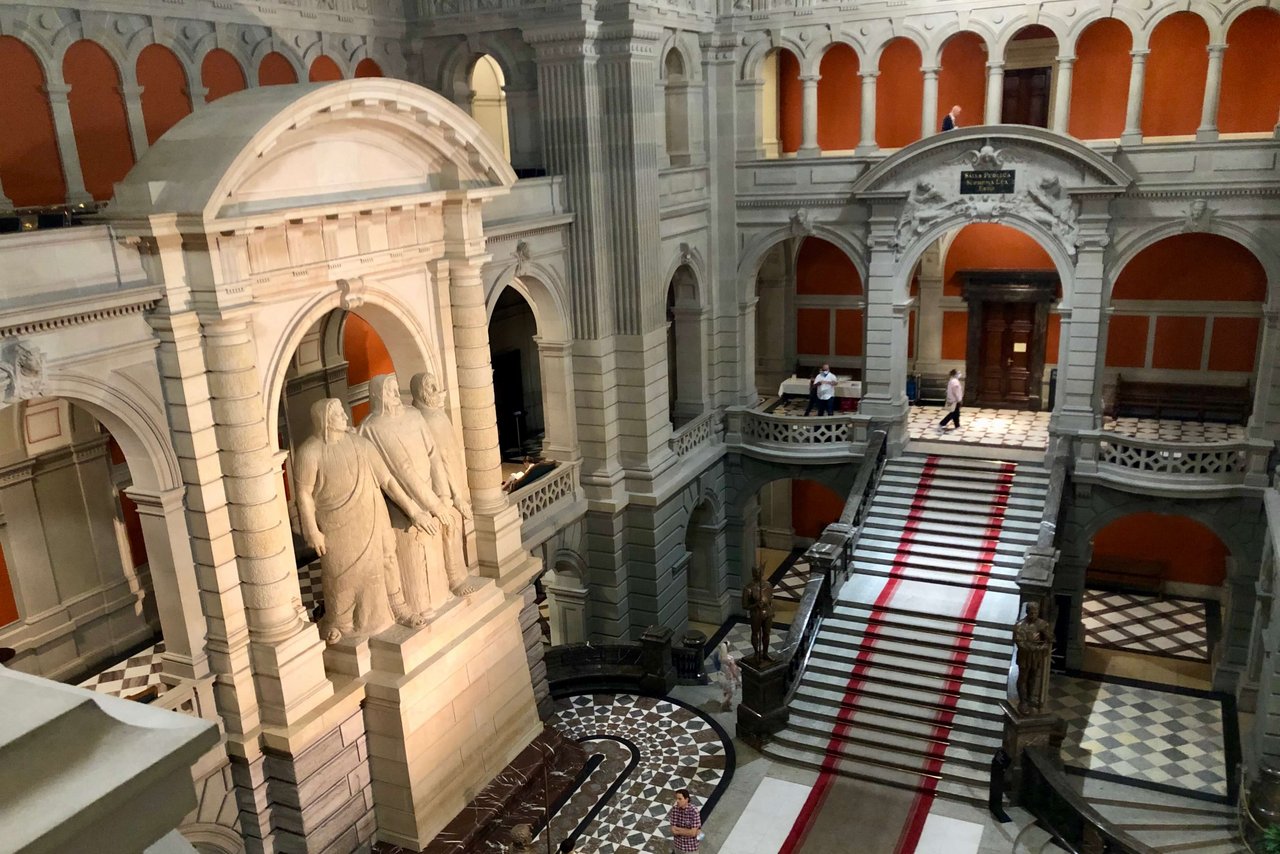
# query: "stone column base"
[[1022, 731], [448, 706]]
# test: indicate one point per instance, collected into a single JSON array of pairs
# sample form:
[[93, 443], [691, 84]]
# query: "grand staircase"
[[905, 678]]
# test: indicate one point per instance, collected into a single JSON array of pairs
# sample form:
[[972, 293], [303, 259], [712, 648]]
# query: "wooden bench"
[[1126, 574], [931, 389], [1181, 401]]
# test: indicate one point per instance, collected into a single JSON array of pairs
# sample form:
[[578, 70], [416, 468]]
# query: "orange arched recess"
[[1250, 95], [899, 95], [164, 90], [1100, 84], [98, 117], [990, 246], [823, 268], [368, 68], [1192, 267], [1176, 71], [29, 165], [323, 70], [366, 357], [813, 507], [839, 99], [275, 70], [1190, 552], [8, 605], [962, 79], [790, 98], [220, 74]]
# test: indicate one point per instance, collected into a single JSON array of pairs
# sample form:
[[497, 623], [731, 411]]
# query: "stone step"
[[915, 687], [980, 500], [926, 541], [893, 512], [968, 486], [975, 718], [863, 718], [1000, 564], [906, 662], [957, 469], [860, 612], [968, 511], [999, 584], [929, 641], [957, 463], [913, 751]]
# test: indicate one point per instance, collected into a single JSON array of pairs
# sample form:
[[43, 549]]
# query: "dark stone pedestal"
[[763, 710], [1023, 731], [658, 670]]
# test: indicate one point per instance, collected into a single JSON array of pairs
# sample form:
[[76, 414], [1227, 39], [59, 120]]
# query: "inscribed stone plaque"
[[986, 181]]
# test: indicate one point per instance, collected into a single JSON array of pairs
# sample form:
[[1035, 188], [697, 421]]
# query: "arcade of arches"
[[404, 409]]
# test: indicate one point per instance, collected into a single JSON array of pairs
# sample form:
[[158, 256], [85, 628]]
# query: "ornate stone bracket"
[[22, 372]]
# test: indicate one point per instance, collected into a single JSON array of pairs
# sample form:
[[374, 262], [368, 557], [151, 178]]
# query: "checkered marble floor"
[[739, 638], [675, 747], [1134, 622], [1004, 428], [309, 585], [128, 677], [789, 585], [1144, 735], [1166, 430]]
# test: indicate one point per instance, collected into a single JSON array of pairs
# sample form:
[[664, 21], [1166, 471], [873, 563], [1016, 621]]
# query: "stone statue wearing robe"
[[1033, 638], [451, 478], [340, 480]]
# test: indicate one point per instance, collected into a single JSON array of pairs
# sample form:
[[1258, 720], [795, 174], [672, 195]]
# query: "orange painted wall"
[[963, 79], [911, 335], [1052, 339], [275, 70], [368, 68], [29, 166], [1100, 81], [1193, 267], [839, 99], [899, 95], [813, 331], [324, 70], [98, 117], [1127, 341], [955, 331], [813, 507], [1235, 343], [1179, 343], [790, 101], [822, 268], [364, 351], [220, 74], [8, 605], [1192, 553], [164, 90], [1176, 71], [990, 246], [1250, 96], [848, 332]]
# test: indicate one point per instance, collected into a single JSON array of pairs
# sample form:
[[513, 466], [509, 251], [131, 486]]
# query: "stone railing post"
[[658, 671]]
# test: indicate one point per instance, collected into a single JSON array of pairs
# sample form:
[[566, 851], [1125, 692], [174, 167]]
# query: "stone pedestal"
[[655, 661], [448, 706], [763, 710], [1022, 731]]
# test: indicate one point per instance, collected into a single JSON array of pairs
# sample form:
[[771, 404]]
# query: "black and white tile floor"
[[126, 678], [1136, 622], [1168, 430], [1143, 735], [1007, 428], [671, 746]]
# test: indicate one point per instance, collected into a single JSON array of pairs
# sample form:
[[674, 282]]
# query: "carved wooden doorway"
[[1007, 331]]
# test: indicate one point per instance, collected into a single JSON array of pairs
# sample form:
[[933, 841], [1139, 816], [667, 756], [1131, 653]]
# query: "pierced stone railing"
[[547, 490], [791, 436], [1206, 467], [703, 430]]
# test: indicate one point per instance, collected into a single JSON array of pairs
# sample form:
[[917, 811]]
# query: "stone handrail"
[[1212, 468], [547, 490], [791, 436], [703, 430]]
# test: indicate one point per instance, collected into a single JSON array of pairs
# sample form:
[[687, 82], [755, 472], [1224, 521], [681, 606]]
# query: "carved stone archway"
[[1043, 184]]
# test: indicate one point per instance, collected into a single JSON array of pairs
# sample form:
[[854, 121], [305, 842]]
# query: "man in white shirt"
[[955, 394], [825, 383]]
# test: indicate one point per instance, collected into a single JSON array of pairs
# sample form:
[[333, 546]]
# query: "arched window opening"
[[98, 117], [1250, 99], [517, 377], [769, 106], [685, 384], [676, 109], [1177, 68], [489, 102], [790, 110], [30, 166], [324, 70], [1100, 81], [275, 70], [1029, 81], [164, 90], [962, 80], [368, 68], [839, 100], [220, 74], [899, 94]]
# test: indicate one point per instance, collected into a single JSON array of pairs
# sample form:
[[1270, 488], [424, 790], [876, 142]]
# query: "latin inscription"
[[986, 182]]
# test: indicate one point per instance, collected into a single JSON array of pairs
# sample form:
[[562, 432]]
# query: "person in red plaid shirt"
[[686, 824]]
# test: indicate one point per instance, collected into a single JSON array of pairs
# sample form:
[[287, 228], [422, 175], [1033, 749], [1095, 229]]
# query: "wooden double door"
[[1007, 332]]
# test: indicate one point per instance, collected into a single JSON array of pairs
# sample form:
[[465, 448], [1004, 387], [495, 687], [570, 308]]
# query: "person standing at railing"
[[825, 384], [813, 395]]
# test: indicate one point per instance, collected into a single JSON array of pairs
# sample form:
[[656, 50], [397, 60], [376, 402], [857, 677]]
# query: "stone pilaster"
[[929, 108], [132, 95], [1062, 93], [1208, 130], [68, 152], [867, 142], [1079, 369], [1132, 134], [995, 93], [884, 379], [809, 116]]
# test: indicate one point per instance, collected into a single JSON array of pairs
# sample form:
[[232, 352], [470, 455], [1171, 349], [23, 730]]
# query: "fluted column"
[[1133, 112], [1208, 130], [995, 92], [867, 143], [132, 94], [809, 116], [1062, 94], [68, 152], [929, 108]]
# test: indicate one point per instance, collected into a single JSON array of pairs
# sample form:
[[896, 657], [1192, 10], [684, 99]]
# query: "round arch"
[[931, 53], [759, 248], [544, 302], [1137, 242], [755, 55]]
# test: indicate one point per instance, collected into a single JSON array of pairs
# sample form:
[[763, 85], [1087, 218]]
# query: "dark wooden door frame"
[[984, 286]]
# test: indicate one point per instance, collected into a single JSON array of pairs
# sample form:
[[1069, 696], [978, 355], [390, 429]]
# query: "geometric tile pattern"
[[1135, 622], [130, 676], [1005, 428], [309, 584], [790, 587], [1168, 430], [676, 748], [1144, 735], [739, 639]]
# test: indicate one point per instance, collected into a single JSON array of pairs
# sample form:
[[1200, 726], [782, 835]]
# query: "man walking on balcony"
[[825, 383], [955, 394], [951, 120]]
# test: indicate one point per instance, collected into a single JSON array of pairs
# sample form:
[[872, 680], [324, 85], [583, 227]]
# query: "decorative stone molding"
[[352, 291], [801, 223], [22, 372], [1198, 215]]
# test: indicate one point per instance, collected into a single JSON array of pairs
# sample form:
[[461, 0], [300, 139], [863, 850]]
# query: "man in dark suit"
[[951, 120]]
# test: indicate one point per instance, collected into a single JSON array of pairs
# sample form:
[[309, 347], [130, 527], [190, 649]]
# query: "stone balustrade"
[[704, 430], [549, 503], [1209, 469], [795, 437]]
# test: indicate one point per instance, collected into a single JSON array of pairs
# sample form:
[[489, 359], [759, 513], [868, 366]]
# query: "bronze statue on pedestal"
[[757, 601], [1034, 640]]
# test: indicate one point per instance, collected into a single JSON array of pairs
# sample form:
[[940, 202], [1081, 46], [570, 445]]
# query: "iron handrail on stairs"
[[767, 689]]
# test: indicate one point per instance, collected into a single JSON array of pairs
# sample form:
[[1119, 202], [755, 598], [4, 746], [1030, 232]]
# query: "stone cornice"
[[53, 318]]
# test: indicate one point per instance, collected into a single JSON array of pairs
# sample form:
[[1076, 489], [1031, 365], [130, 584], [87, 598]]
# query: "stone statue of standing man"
[[341, 479], [1034, 639]]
